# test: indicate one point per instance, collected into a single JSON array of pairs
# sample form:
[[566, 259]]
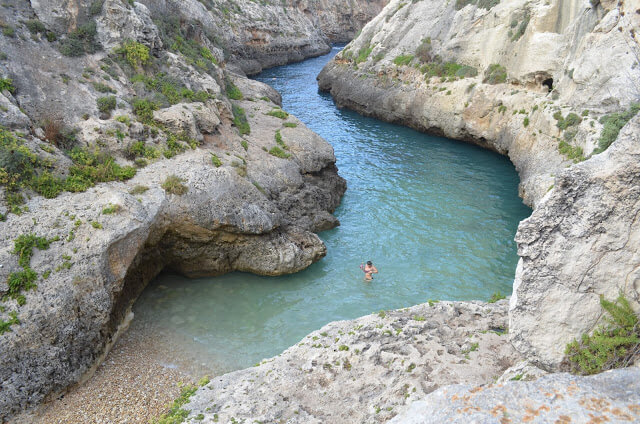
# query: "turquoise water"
[[436, 216]]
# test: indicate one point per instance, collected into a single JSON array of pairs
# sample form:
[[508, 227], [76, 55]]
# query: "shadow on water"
[[436, 216]]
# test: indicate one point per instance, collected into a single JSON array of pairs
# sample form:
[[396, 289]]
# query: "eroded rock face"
[[365, 370], [386, 72], [259, 35], [581, 242], [608, 397]]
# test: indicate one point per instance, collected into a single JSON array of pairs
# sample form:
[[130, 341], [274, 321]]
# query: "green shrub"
[[482, 4], [240, 120], [525, 122], [363, 53], [279, 153], [111, 209], [521, 28], [5, 325], [21, 281], [8, 30], [575, 153], [233, 92], [403, 59], [136, 54], [96, 225], [176, 414], [93, 167], [7, 84], [612, 345], [563, 123], [96, 7], [466, 71], [174, 147], [24, 244], [106, 104], [613, 123], [81, 41], [143, 109], [173, 184], [495, 74], [48, 185], [290, 125], [103, 88], [206, 53], [215, 160], [449, 70], [278, 113], [423, 51], [17, 162], [35, 26], [495, 297], [139, 189]]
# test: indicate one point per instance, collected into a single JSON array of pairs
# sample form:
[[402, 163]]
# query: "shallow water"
[[436, 216]]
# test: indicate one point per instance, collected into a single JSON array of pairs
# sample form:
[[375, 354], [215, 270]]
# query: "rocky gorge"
[[226, 180], [525, 79]]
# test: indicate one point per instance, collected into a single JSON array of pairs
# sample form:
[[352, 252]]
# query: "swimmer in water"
[[369, 270]]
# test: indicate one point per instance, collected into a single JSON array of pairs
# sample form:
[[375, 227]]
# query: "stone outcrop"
[[612, 396], [365, 370], [582, 240]]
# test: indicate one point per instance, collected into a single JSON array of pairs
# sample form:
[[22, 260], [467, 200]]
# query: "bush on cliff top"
[[613, 345]]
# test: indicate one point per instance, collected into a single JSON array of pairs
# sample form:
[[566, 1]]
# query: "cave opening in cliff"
[[548, 83]]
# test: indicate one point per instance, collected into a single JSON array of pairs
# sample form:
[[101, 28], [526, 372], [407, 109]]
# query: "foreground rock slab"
[[365, 370], [612, 396]]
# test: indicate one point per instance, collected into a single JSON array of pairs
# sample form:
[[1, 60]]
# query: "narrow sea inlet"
[[436, 216]]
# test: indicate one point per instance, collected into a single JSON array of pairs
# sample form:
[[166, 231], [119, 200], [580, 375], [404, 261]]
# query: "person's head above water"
[[369, 263]]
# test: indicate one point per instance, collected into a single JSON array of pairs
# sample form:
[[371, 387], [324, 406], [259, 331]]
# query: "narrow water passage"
[[436, 216]]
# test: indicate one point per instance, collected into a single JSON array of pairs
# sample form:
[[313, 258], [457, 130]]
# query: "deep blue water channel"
[[436, 216]]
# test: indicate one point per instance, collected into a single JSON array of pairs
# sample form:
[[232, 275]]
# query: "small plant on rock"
[[614, 344], [495, 74], [173, 184], [496, 296]]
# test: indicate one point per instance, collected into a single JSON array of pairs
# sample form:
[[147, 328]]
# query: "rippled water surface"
[[436, 216]]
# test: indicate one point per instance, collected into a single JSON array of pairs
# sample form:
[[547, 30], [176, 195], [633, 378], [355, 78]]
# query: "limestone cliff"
[[527, 79], [496, 76], [261, 34], [127, 147]]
